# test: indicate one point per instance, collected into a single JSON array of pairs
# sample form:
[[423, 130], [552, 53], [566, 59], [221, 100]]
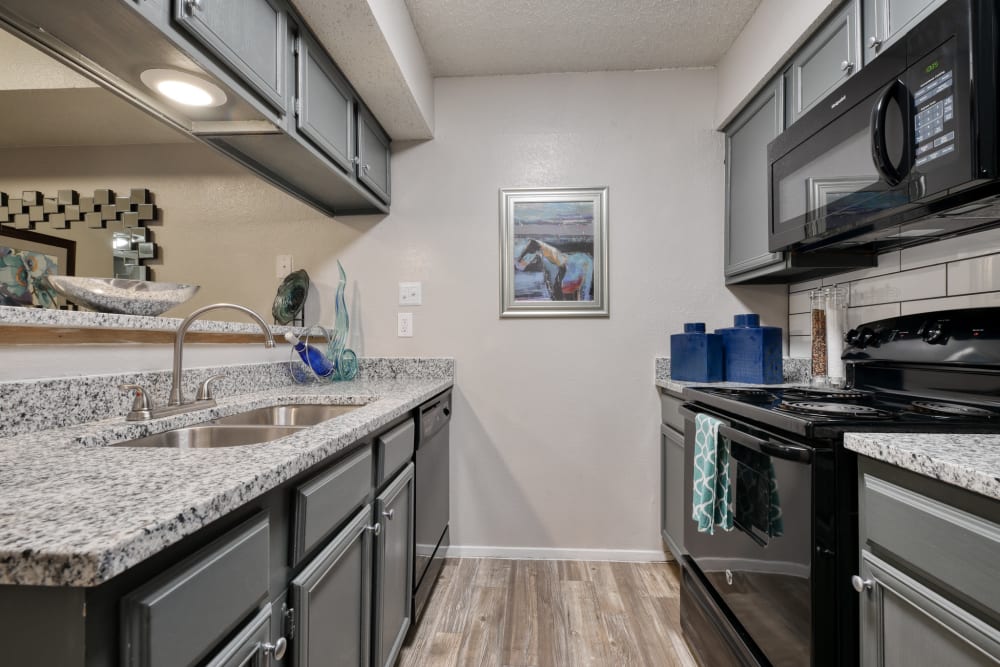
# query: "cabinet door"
[[324, 107], [830, 56], [247, 648], [885, 21], [672, 490], [747, 187], [373, 155], [905, 624], [331, 598], [393, 567], [248, 35]]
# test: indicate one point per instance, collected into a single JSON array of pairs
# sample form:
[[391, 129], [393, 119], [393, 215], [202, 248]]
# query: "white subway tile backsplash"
[[951, 303], [859, 316], [981, 274], [922, 283], [798, 303], [887, 263], [948, 250], [800, 347], [805, 286], [800, 325]]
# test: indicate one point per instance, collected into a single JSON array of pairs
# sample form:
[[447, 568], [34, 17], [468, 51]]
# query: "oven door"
[[762, 570]]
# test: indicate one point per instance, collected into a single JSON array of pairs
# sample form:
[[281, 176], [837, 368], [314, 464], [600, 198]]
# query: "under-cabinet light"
[[184, 88]]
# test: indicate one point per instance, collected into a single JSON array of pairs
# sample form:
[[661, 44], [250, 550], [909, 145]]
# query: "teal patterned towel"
[[712, 492]]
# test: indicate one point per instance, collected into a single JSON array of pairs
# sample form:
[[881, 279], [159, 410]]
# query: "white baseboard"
[[540, 553]]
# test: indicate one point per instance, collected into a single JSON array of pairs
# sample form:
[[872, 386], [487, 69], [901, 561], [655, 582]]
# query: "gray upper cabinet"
[[828, 59], [373, 155], [747, 138], [248, 35], [324, 104], [885, 21], [331, 598], [393, 568]]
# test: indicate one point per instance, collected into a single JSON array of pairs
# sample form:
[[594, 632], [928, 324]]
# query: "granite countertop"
[[969, 461], [796, 372], [74, 512]]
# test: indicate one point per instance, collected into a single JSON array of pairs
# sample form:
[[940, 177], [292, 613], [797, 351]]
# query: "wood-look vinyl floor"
[[534, 613]]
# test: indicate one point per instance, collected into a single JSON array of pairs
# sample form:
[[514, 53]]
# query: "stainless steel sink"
[[287, 415], [205, 436]]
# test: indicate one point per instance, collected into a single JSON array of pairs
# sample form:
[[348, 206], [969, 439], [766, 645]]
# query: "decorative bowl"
[[118, 295], [291, 297]]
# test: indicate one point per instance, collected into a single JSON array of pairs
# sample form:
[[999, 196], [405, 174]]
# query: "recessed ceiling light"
[[184, 88]]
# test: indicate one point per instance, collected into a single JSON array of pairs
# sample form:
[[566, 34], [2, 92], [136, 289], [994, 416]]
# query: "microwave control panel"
[[934, 110]]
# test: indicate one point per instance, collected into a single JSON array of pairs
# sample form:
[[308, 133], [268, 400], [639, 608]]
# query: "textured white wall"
[[555, 428]]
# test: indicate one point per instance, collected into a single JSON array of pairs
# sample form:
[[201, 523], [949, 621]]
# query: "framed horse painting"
[[554, 252]]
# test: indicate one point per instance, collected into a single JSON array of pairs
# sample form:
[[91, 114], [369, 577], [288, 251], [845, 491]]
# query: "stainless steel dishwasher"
[[431, 485]]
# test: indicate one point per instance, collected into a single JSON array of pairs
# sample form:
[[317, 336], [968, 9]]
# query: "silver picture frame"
[[554, 252]]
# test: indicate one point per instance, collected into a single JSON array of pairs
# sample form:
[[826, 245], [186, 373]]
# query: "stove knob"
[[867, 337], [851, 337], [935, 333]]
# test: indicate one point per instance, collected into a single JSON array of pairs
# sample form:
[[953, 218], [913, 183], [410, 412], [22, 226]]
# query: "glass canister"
[[836, 327], [817, 309]]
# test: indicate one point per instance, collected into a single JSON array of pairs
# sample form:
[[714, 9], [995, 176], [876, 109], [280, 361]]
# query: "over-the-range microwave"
[[905, 151]]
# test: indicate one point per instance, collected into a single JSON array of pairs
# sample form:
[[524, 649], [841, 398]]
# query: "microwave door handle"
[[767, 447], [892, 174]]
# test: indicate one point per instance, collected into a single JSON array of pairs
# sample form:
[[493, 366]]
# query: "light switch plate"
[[404, 325], [410, 294]]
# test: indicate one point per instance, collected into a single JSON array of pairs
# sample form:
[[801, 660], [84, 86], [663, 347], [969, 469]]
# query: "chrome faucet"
[[142, 407]]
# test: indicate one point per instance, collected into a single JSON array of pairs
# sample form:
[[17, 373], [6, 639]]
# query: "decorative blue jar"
[[752, 352], [696, 356]]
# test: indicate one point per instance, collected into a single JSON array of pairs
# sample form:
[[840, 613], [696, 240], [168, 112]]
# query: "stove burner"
[[828, 394], [743, 394], [835, 409], [953, 410]]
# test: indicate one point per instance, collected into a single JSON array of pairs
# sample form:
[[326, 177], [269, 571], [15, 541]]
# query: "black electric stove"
[[779, 582]]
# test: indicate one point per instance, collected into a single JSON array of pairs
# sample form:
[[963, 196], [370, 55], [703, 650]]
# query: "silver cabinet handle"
[[193, 4], [277, 649], [874, 42], [376, 529], [846, 66], [861, 585], [366, 168], [390, 514]]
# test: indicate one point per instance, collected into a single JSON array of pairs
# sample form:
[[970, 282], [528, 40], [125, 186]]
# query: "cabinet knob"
[[376, 529], [390, 514], [846, 66], [193, 4], [366, 168], [874, 42], [861, 585], [277, 649]]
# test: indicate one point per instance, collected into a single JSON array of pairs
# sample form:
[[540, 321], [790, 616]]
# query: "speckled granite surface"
[[76, 513], [971, 462], [26, 405], [796, 372]]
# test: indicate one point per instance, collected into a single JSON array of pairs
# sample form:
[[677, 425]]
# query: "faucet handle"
[[205, 388], [142, 406]]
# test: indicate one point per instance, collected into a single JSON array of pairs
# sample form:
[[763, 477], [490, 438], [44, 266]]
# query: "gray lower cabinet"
[[747, 220], [824, 62], [324, 105], [373, 156], [250, 648], [927, 584], [248, 35], [393, 568], [331, 598], [672, 490], [885, 21]]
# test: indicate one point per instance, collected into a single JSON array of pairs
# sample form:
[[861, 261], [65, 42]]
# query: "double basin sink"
[[246, 428]]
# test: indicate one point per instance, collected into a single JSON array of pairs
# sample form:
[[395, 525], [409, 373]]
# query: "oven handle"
[[892, 174], [766, 447]]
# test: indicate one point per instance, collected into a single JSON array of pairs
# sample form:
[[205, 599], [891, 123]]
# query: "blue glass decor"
[[345, 361]]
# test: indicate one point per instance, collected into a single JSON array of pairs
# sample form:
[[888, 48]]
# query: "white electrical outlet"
[[410, 294], [404, 325], [283, 265]]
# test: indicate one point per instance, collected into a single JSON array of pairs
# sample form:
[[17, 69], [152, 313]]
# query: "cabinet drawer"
[[395, 449], [181, 616], [949, 545], [325, 501], [670, 408]]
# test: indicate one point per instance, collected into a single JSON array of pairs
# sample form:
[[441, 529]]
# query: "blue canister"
[[752, 352], [696, 356]]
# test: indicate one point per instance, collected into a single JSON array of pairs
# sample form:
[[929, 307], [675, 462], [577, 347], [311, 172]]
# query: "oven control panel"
[[969, 336], [934, 124]]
